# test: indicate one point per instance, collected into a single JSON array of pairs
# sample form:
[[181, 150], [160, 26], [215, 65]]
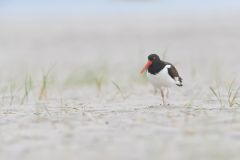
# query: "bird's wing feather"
[[172, 71]]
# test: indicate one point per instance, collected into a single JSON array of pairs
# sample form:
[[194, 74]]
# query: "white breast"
[[161, 79]]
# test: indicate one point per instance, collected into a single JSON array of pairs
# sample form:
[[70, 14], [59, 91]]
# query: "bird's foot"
[[165, 104]]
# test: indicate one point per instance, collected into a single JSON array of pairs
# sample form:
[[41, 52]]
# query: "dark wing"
[[173, 72]]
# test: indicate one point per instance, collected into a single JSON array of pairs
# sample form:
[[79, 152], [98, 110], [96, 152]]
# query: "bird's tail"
[[179, 81], [179, 85]]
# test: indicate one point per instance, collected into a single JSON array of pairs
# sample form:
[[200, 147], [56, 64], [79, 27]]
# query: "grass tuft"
[[99, 82], [28, 85], [44, 84], [12, 89], [218, 95], [119, 90], [231, 95]]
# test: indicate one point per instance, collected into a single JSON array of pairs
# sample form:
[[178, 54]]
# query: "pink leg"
[[162, 95], [167, 93], [167, 96]]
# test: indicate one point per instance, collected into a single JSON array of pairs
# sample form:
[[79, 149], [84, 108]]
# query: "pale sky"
[[75, 7]]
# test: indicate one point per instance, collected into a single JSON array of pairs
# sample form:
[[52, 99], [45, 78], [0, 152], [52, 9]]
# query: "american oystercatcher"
[[161, 74]]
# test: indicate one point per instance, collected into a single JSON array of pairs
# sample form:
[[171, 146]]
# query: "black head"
[[154, 64], [154, 58]]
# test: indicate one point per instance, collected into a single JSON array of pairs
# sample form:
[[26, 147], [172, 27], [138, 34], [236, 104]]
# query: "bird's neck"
[[156, 67]]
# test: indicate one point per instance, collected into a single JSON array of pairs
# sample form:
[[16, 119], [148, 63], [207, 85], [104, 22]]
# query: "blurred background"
[[115, 36], [70, 83]]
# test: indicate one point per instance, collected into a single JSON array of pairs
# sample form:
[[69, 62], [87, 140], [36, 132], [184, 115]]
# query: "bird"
[[161, 75]]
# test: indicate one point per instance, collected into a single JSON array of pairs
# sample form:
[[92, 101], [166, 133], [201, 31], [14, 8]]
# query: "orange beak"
[[149, 63]]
